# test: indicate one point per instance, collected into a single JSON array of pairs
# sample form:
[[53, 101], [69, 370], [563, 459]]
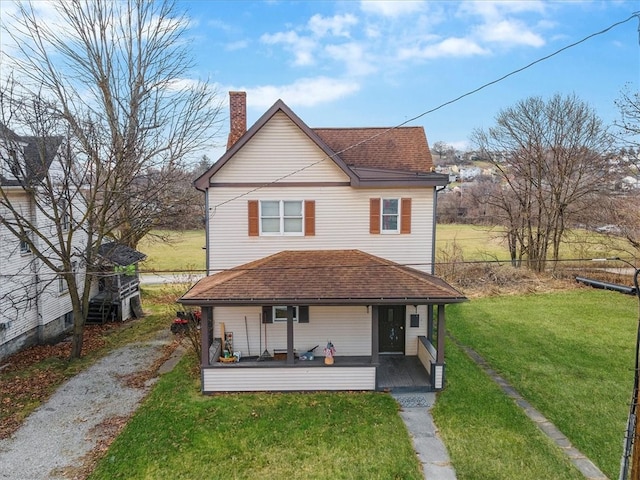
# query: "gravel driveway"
[[58, 437]]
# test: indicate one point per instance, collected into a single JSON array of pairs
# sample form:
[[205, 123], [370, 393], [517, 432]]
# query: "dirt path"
[[64, 435]]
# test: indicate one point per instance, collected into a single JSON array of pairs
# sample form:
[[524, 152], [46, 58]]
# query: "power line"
[[427, 112]]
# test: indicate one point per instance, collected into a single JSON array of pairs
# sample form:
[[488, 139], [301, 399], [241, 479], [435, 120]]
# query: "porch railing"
[[428, 356]]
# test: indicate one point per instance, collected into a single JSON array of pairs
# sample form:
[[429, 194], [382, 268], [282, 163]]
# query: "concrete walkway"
[[582, 463], [416, 413]]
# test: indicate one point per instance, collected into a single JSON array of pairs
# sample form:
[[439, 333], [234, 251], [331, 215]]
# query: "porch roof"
[[321, 277]]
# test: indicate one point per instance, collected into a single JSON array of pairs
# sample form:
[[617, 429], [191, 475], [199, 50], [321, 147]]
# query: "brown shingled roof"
[[371, 157], [330, 277], [401, 148]]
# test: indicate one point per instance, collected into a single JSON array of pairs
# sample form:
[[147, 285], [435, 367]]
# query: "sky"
[[383, 63], [378, 63]]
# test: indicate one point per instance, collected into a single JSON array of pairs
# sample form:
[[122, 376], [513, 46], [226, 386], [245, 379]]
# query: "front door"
[[391, 322]]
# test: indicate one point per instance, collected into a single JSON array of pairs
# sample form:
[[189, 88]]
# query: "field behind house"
[[181, 251]]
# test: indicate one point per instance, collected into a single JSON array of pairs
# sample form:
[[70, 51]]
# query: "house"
[[318, 235], [35, 305]]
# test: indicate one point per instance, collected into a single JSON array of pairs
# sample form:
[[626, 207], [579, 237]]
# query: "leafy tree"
[[556, 156], [111, 78]]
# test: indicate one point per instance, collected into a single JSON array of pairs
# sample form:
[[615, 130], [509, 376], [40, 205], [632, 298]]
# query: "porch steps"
[[98, 312]]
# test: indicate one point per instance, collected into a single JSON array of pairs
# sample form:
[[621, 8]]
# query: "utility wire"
[[427, 112]]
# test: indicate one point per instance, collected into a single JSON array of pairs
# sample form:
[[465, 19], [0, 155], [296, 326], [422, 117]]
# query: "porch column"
[[206, 329], [290, 355], [374, 334], [441, 334], [430, 323], [437, 368]]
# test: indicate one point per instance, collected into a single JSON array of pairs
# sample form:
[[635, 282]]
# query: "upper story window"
[[64, 214], [25, 248], [281, 217], [390, 215], [62, 284]]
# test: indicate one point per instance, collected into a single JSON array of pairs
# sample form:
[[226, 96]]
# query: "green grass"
[[180, 434], [182, 251], [487, 435], [476, 242], [487, 243], [571, 354]]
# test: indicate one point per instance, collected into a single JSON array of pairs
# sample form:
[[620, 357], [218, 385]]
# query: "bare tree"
[[111, 78], [628, 208], [556, 153], [442, 149]]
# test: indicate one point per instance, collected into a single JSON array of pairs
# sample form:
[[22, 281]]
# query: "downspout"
[[433, 260], [433, 230], [206, 227]]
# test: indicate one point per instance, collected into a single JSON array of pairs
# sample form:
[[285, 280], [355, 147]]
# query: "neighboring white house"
[[35, 305], [317, 234]]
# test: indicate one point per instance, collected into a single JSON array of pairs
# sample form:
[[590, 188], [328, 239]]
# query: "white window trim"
[[63, 286], [382, 215], [65, 218], [25, 249], [284, 320], [282, 217]]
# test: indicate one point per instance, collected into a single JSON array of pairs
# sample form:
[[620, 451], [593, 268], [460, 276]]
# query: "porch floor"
[[399, 373]]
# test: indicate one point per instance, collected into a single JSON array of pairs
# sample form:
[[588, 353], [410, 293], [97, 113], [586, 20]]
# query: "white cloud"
[[354, 56], [496, 10], [450, 47], [338, 25], [301, 47], [392, 8], [509, 32], [237, 45], [304, 92]]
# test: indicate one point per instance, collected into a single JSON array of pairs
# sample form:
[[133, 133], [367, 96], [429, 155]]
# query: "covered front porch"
[[288, 370], [389, 335]]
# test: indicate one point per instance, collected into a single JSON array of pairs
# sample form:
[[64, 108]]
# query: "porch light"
[[632, 435]]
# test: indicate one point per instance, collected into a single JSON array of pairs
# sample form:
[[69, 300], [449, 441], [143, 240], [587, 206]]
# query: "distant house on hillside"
[[319, 236]]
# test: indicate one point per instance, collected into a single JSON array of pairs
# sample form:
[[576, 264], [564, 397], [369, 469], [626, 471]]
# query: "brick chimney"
[[238, 116]]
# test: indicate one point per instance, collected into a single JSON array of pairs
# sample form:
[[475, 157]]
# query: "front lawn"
[[180, 434]]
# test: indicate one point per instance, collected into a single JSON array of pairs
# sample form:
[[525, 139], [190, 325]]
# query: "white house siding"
[[342, 222], [234, 378], [31, 305], [280, 151], [348, 327], [412, 333]]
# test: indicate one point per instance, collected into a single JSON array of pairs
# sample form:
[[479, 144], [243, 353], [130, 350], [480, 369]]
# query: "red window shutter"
[[254, 218], [405, 215], [374, 215], [309, 218]]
